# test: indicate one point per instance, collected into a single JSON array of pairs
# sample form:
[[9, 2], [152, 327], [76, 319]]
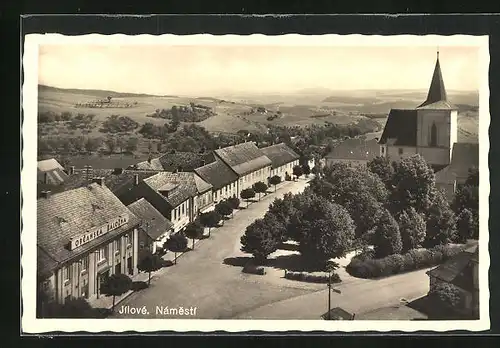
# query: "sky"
[[195, 70]]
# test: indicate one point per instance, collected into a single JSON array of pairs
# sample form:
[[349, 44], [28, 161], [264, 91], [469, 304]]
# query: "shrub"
[[394, 264], [311, 278], [252, 269]]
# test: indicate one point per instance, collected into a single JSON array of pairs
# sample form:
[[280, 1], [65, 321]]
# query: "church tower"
[[429, 130]]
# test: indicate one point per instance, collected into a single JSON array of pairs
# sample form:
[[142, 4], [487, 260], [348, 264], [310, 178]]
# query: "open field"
[[233, 113]]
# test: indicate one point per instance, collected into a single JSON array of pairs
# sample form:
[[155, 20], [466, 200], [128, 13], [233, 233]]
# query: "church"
[[431, 130]]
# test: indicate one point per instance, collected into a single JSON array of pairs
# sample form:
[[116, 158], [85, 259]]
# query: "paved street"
[[202, 280], [358, 296]]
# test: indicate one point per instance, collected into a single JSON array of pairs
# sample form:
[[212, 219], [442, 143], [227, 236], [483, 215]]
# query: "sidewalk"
[[106, 302]]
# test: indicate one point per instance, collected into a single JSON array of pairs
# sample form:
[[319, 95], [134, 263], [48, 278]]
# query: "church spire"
[[437, 92]]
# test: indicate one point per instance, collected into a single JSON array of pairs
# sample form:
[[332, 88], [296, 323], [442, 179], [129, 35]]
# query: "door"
[[129, 266], [118, 268], [101, 279]]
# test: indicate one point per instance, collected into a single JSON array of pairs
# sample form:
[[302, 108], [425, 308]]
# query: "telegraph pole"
[[331, 267]]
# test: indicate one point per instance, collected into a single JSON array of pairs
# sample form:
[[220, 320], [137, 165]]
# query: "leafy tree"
[[465, 225], [247, 194], [413, 185], [441, 221], [297, 171], [210, 219], [176, 243], [387, 238], [467, 198], [383, 167], [71, 309], [116, 285], [194, 230], [260, 187], [111, 144], [120, 143], [361, 192], [276, 225], [149, 263], [283, 209], [224, 209], [300, 202], [306, 169], [327, 231], [78, 143], [275, 180], [66, 116], [234, 202], [259, 240], [412, 228], [132, 144], [93, 144]]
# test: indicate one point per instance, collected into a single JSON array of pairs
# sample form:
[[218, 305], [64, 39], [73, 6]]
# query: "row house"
[[83, 236], [169, 198], [283, 159], [248, 162], [223, 180], [156, 227]]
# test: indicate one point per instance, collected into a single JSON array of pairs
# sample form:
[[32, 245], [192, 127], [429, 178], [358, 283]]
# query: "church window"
[[433, 141]]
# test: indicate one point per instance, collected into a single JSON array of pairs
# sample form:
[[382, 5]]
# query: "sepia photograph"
[[255, 182]]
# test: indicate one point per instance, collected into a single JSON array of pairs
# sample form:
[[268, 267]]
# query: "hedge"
[[252, 269], [306, 277], [394, 264]]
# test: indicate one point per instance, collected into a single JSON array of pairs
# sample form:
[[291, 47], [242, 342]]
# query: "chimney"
[[45, 194], [99, 181], [179, 169], [136, 179], [71, 170]]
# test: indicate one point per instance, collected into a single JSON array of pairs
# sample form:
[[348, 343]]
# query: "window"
[[66, 273], [117, 245], [382, 150], [433, 141], [182, 208], [129, 239], [175, 214], [400, 150], [102, 254], [225, 190], [84, 264]]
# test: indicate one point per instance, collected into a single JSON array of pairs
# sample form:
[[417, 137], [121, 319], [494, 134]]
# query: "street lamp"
[[331, 267]]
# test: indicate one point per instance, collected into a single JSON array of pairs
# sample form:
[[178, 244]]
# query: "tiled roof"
[[400, 128], [177, 161], [45, 263], [280, 154], [217, 173], [71, 213], [243, 158], [356, 149], [153, 222], [464, 157], [153, 164], [439, 105], [458, 270], [118, 183], [177, 195], [437, 92], [50, 172]]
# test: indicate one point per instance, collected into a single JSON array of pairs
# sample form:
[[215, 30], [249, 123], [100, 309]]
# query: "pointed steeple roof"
[[437, 92]]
